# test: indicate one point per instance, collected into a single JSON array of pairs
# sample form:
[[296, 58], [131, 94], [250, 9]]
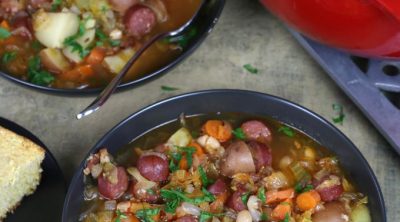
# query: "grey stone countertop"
[[245, 34]]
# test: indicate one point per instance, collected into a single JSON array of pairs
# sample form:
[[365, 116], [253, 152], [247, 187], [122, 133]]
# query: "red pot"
[[364, 27]]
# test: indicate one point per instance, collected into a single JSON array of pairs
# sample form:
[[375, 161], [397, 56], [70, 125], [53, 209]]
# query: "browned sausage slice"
[[235, 200], [261, 154], [219, 187], [257, 130], [113, 191], [140, 20], [237, 159], [329, 188], [332, 212], [153, 167]]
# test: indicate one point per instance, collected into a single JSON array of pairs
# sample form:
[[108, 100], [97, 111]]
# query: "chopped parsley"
[[174, 161], [264, 216], [115, 43], [301, 187], [204, 179], [239, 134], [245, 197], [4, 33], [287, 218], [169, 88], [73, 43], [56, 5], [8, 56], [151, 192], [188, 152], [36, 75], [205, 216], [339, 119], [120, 216], [251, 69], [173, 198], [36, 45], [261, 195], [146, 215], [286, 130]]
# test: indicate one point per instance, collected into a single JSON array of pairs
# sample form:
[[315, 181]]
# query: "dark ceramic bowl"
[[238, 102], [204, 26]]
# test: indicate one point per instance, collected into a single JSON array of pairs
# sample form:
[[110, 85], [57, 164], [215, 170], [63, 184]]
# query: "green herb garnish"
[[72, 41], [251, 69], [204, 179], [301, 188], [205, 216], [174, 197], [8, 57], [55, 5], [287, 218], [286, 130], [261, 195], [150, 191], [36, 75], [115, 43], [169, 88], [188, 151], [245, 197], [120, 216], [174, 161], [146, 214], [264, 217], [238, 133], [36, 45], [4, 33], [339, 119]]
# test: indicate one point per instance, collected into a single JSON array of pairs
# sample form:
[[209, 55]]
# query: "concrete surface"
[[245, 34]]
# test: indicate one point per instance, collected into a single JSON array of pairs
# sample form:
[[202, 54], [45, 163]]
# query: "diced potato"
[[181, 137], [360, 214], [86, 40], [51, 29], [116, 62], [53, 60]]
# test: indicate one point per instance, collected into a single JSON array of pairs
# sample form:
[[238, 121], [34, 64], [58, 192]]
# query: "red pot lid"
[[390, 6]]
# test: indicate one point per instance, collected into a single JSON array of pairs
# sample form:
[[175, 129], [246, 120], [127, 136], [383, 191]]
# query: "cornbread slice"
[[20, 170]]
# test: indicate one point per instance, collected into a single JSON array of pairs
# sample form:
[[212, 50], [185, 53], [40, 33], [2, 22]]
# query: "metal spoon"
[[112, 86]]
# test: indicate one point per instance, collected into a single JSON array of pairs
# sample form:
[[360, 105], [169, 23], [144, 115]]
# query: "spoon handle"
[[112, 86]]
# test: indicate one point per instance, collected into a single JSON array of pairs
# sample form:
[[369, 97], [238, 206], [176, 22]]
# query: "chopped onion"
[[191, 209], [110, 205], [275, 181], [253, 204]]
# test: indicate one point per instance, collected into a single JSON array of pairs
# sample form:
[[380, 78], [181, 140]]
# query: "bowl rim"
[[286, 102], [127, 85]]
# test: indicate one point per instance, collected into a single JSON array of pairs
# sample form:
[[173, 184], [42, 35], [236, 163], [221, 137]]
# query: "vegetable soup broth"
[[17, 50], [290, 143]]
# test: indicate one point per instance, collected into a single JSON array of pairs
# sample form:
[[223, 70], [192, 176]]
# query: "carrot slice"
[[183, 163], [308, 200], [86, 70], [96, 56], [4, 24], [281, 210], [277, 196], [220, 130], [199, 150]]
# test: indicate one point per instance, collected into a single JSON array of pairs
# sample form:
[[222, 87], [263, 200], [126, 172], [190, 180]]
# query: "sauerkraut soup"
[[227, 167]]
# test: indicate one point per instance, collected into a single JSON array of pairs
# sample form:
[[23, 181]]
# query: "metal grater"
[[373, 85]]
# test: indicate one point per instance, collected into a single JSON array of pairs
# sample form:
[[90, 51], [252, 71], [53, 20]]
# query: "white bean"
[[244, 216]]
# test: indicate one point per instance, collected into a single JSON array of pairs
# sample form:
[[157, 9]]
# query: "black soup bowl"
[[203, 26], [235, 101]]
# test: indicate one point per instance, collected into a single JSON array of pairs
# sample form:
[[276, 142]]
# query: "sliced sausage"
[[139, 20], [123, 5], [219, 187], [159, 9], [12, 6], [237, 159], [187, 218], [329, 188], [153, 167], [235, 201], [332, 212], [22, 25], [261, 154], [257, 130], [113, 191]]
